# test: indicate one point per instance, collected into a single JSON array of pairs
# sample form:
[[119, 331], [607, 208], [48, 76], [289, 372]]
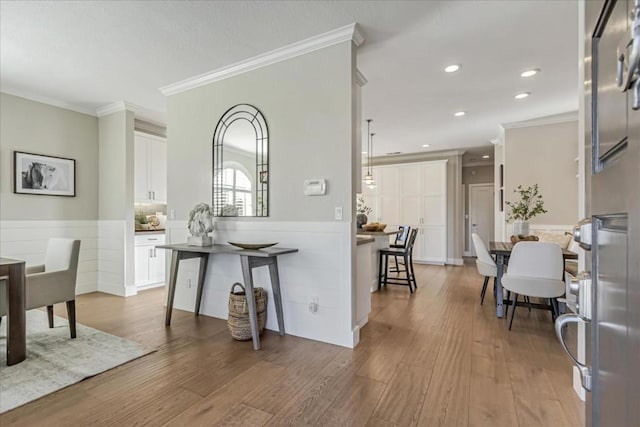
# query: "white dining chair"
[[485, 264], [535, 270]]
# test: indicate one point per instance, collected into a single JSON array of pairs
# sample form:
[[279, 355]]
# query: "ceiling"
[[90, 54]]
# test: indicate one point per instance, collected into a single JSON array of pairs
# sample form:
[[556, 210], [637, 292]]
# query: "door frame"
[[471, 187]]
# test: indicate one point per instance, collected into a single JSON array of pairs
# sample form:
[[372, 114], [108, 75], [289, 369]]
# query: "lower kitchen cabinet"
[[149, 262]]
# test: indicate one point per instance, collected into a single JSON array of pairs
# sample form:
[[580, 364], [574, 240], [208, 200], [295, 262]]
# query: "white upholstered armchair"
[[54, 281]]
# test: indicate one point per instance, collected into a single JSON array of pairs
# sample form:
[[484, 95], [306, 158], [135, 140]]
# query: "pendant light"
[[372, 182], [368, 178]]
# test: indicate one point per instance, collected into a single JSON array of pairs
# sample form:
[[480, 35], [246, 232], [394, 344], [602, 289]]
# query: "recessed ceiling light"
[[522, 95], [486, 156], [460, 114], [426, 145], [364, 152], [451, 68], [530, 73]]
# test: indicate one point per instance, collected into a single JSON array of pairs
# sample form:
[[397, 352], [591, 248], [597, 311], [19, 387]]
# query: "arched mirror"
[[241, 163]]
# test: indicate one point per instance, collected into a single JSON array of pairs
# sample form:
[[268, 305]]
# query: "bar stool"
[[401, 242], [406, 254]]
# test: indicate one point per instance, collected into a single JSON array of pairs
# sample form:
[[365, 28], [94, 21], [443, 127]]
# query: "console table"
[[249, 259]]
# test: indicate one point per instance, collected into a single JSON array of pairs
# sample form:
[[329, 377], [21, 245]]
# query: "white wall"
[[38, 128], [116, 204], [473, 175], [546, 155], [307, 103]]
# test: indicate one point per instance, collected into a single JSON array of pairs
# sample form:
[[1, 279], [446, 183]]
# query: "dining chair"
[[535, 269], [406, 254], [485, 264], [52, 282]]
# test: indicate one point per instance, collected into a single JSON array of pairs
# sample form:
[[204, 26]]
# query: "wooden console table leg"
[[204, 259], [277, 296], [251, 301], [173, 278]]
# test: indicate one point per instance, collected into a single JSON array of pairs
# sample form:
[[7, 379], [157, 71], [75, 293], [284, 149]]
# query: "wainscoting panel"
[[27, 240]]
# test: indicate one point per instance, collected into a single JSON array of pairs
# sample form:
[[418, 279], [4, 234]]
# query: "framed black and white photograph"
[[43, 175]]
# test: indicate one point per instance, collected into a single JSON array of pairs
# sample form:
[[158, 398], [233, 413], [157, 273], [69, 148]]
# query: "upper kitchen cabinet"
[[150, 169]]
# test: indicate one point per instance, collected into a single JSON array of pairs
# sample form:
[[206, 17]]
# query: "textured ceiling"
[[89, 54]]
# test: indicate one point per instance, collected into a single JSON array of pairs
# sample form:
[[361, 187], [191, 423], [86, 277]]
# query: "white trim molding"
[[349, 32], [570, 116], [50, 101], [114, 107]]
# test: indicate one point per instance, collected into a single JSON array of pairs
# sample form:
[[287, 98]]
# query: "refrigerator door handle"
[[585, 372]]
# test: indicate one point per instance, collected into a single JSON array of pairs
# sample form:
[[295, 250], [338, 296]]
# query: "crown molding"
[[547, 120], [415, 157], [349, 32], [149, 128], [114, 107], [50, 101], [360, 78]]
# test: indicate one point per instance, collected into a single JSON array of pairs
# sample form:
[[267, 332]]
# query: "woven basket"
[[238, 320]]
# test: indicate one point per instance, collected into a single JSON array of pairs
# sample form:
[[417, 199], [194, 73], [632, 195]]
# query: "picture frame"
[[264, 177], [43, 175]]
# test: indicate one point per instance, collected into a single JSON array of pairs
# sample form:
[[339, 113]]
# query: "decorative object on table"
[[515, 239], [238, 320], [200, 225], [362, 210], [142, 222], [43, 175], [368, 178], [528, 206], [374, 226], [54, 361], [253, 246]]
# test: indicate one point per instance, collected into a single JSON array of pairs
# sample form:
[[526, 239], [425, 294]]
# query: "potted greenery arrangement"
[[362, 210], [142, 222], [529, 205]]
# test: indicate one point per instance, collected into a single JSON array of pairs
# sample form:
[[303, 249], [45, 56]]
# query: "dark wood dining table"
[[502, 251], [14, 270]]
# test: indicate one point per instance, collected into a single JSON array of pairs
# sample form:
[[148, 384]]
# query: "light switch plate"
[[338, 214]]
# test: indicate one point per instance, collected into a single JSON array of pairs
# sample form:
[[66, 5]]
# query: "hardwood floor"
[[436, 358]]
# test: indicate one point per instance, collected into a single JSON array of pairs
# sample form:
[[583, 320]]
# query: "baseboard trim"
[[455, 261]]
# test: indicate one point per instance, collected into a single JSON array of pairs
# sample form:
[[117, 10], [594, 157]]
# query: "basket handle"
[[233, 287]]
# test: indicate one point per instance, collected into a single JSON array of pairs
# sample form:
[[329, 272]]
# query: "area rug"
[[55, 361]]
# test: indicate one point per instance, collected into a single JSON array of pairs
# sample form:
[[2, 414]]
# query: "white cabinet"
[[149, 262], [150, 169], [413, 194]]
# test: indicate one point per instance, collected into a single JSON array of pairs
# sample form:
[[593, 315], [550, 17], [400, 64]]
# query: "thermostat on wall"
[[315, 187]]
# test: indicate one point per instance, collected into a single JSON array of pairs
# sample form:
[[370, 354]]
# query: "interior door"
[[481, 212], [612, 232]]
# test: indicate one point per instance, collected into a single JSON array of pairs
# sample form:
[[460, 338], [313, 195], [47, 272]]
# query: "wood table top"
[[10, 261], [505, 248], [228, 249]]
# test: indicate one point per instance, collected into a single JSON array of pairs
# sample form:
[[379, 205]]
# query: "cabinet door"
[[389, 202], [140, 169], [158, 170], [409, 188], [433, 245], [156, 266], [142, 254]]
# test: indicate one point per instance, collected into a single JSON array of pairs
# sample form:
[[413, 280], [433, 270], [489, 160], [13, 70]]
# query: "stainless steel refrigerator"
[[609, 293]]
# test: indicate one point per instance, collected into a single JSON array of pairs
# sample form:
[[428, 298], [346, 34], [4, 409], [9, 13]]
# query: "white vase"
[[520, 228]]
